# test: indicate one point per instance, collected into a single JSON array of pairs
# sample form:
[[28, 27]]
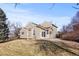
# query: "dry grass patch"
[[32, 48]]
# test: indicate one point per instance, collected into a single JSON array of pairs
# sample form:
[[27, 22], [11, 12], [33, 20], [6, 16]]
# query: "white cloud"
[[25, 16]]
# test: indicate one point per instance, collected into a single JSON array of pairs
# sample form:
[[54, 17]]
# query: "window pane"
[[44, 34], [47, 31]]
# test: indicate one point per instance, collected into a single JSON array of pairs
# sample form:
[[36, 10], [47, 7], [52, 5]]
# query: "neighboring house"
[[46, 30]]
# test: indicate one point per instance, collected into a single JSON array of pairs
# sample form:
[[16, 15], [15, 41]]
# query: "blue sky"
[[60, 14]]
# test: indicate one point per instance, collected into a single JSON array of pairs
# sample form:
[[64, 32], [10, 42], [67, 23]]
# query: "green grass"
[[23, 47]]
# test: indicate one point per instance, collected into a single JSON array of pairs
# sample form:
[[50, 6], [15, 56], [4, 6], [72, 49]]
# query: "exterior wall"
[[48, 36], [28, 32], [25, 33], [54, 32], [37, 33]]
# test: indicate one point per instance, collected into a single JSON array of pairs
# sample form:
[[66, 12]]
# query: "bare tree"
[[64, 29], [76, 6], [14, 30], [15, 5], [17, 28], [74, 26]]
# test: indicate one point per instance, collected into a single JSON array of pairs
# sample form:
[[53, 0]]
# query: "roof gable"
[[41, 26]]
